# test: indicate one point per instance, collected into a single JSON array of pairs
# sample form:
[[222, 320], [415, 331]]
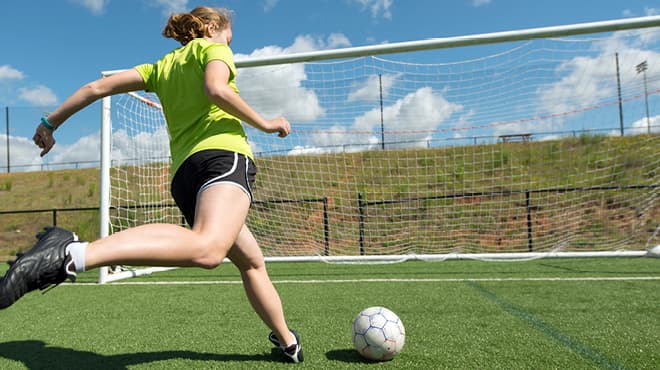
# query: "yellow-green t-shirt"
[[193, 121]]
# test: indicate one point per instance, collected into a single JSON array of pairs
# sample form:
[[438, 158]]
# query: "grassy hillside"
[[466, 198], [47, 190], [431, 194]]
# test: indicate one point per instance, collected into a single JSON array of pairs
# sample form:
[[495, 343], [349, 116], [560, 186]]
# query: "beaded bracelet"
[[44, 121]]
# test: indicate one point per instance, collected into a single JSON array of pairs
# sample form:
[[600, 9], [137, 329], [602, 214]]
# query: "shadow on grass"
[[346, 355], [34, 354]]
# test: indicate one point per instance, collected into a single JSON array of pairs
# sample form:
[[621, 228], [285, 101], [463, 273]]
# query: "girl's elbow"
[[210, 93], [217, 96], [94, 90]]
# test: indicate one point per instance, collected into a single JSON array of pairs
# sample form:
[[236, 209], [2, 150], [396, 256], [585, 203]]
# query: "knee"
[[249, 263], [253, 272], [209, 263], [211, 254], [255, 264]]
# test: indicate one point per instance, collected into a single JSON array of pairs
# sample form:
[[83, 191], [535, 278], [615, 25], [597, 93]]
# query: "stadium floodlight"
[[641, 68]]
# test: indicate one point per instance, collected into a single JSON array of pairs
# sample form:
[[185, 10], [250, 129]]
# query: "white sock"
[[77, 252], [295, 341]]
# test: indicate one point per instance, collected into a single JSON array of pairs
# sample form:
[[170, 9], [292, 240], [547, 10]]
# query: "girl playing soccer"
[[213, 169]]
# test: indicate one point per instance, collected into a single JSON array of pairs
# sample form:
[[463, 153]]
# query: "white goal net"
[[523, 148]]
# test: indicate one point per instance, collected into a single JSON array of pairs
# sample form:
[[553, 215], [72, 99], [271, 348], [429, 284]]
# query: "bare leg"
[[219, 232], [261, 293], [221, 213]]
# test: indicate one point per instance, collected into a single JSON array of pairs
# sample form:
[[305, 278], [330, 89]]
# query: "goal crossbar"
[[457, 41], [448, 42]]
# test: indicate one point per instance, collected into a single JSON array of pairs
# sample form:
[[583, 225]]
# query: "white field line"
[[411, 280]]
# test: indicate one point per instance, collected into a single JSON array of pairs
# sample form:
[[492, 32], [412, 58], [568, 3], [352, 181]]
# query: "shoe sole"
[[37, 268], [297, 356]]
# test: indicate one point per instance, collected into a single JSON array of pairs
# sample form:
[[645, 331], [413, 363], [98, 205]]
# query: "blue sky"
[[51, 47]]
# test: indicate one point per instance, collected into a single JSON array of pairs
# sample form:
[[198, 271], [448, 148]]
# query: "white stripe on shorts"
[[214, 181]]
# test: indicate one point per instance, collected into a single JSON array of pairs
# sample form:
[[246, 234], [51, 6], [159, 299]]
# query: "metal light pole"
[[7, 132], [641, 68]]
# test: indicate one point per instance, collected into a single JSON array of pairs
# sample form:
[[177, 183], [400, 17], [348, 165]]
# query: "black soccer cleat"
[[276, 342], [46, 263], [273, 339], [293, 353]]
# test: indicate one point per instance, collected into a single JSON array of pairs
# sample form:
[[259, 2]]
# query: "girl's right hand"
[[43, 138]]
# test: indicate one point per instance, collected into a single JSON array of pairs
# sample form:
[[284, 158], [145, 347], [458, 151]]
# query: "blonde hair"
[[184, 27]]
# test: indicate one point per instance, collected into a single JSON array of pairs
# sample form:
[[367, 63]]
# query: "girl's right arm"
[[129, 80]]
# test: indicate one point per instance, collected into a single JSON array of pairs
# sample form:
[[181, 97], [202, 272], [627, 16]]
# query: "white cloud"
[[9, 73], [305, 43], [338, 40], [651, 11], [586, 85], [172, 6], [24, 155], [418, 114], [370, 91], [464, 120], [38, 96], [586, 81], [278, 90], [627, 40], [411, 120], [377, 7], [644, 125], [126, 149], [478, 3], [96, 7], [647, 11], [143, 145], [585, 72], [84, 150], [269, 5]]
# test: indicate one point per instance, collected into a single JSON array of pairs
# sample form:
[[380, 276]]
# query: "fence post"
[[326, 227], [618, 84], [361, 223], [382, 121], [530, 237]]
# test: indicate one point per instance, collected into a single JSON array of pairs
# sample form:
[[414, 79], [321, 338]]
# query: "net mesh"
[[540, 145]]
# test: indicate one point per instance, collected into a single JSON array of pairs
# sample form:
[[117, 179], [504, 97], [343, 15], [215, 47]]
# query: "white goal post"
[[509, 145]]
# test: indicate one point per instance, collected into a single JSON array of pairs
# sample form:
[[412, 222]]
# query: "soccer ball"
[[378, 334]]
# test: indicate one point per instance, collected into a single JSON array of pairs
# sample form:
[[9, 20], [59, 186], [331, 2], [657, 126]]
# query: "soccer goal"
[[511, 145]]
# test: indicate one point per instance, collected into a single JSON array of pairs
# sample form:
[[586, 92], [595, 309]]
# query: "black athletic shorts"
[[205, 169]]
